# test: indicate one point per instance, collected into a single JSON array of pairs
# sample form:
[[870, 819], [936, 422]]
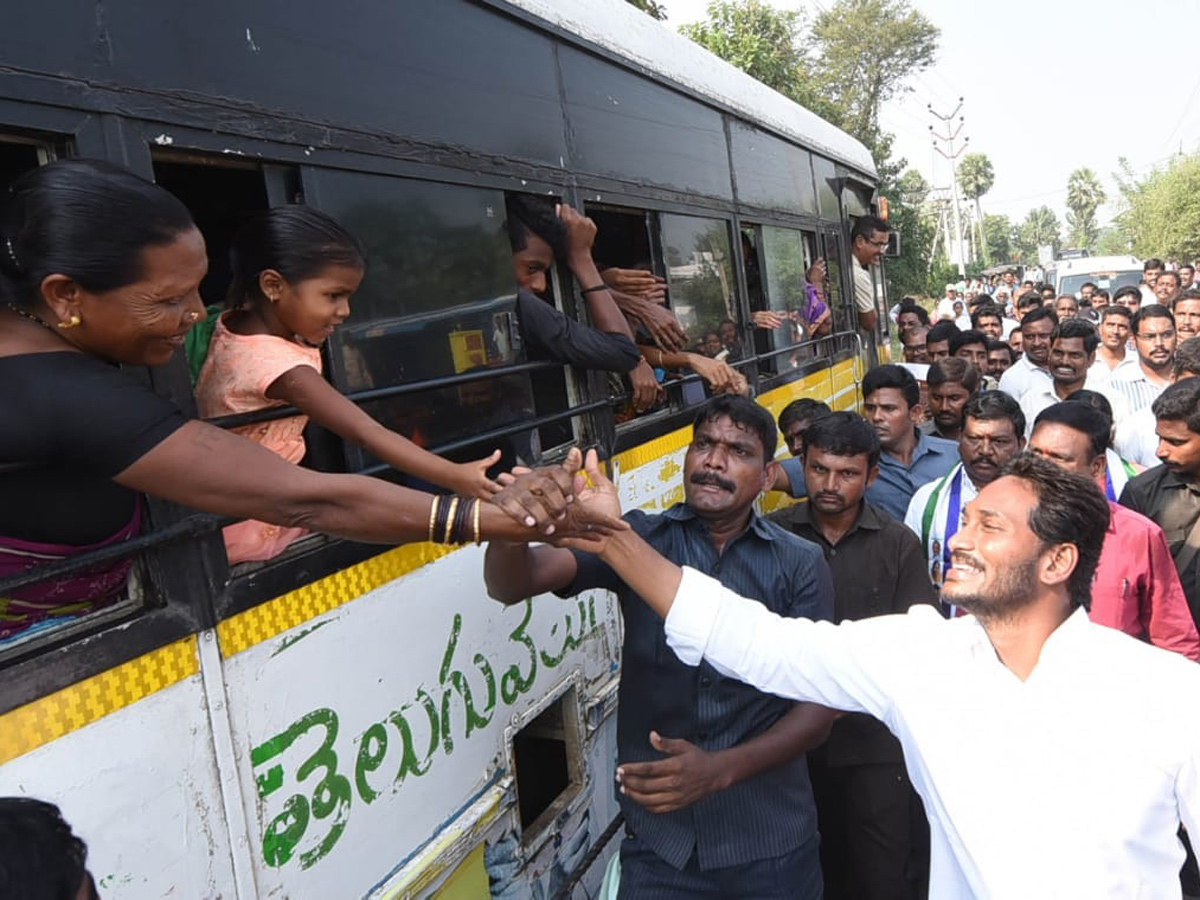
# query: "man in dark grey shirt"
[[874, 839], [712, 775]]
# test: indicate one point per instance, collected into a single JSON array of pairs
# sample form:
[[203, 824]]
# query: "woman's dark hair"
[[1070, 510], [1081, 417], [744, 412], [298, 242], [806, 409], [526, 214], [1180, 403], [86, 219], [992, 406], [39, 856], [843, 434], [893, 376]]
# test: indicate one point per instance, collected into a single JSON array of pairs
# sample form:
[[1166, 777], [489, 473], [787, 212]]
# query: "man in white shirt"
[[1136, 439], [1154, 338], [1151, 269], [1055, 756], [1072, 354], [1113, 351], [1032, 369], [868, 240]]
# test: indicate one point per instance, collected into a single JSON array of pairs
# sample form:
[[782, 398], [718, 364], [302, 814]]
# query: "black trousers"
[[874, 834]]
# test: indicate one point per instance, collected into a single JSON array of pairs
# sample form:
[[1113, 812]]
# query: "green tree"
[[998, 232], [1040, 227], [908, 214], [757, 38], [1163, 214], [1084, 197], [1111, 241], [976, 177], [655, 10]]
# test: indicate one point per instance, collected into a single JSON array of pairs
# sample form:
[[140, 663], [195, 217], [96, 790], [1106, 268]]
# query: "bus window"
[[845, 317], [17, 157], [438, 301], [787, 255], [700, 279]]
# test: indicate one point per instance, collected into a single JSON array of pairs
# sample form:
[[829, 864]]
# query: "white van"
[[1108, 273]]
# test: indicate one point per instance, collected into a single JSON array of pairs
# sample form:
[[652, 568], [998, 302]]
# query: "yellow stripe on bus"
[[268, 619], [49, 718]]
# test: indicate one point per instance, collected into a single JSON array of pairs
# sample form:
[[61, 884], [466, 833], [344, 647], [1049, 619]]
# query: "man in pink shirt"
[[1136, 588]]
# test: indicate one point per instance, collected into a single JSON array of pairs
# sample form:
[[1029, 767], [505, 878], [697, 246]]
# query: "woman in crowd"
[[294, 270], [99, 268]]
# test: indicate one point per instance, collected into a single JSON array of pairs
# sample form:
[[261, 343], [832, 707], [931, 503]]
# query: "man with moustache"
[[1166, 288], [952, 382], [1154, 338], [1187, 314], [1072, 354], [1032, 369], [993, 433], [874, 841], [714, 785]]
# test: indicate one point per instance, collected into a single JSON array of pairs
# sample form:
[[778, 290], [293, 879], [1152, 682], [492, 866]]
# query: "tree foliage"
[[762, 41], [976, 175], [1041, 227], [651, 8], [909, 214], [1084, 197], [1162, 215], [998, 231]]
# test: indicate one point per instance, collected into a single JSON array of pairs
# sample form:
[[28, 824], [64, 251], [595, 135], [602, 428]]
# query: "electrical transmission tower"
[[951, 154]]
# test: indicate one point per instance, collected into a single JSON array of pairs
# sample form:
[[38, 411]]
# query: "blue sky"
[[1047, 89]]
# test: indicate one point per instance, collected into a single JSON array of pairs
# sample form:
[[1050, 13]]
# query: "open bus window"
[[787, 255], [438, 301]]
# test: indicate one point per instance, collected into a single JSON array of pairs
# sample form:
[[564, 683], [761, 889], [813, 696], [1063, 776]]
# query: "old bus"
[[362, 721]]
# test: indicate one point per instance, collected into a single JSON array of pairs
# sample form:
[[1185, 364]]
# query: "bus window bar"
[[386, 393], [200, 524]]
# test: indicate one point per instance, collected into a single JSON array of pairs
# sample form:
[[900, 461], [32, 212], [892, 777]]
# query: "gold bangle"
[[433, 511], [449, 520], [478, 503]]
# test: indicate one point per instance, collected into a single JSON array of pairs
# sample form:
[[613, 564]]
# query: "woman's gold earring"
[[70, 323]]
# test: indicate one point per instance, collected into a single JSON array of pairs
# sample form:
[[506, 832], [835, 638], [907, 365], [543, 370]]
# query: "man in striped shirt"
[[1154, 337]]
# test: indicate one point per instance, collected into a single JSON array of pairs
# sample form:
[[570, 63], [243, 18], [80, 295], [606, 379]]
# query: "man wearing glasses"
[[1154, 337], [868, 240]]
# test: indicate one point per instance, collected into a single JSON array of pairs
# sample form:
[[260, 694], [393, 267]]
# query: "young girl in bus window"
[[294, 270]]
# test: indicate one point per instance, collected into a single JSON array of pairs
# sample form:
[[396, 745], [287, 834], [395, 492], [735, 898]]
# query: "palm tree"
[[1084, 196], [976, 177]]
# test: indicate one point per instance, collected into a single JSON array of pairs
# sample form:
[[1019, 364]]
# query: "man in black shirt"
[[1170, 494], [874, 840], [713, 782]]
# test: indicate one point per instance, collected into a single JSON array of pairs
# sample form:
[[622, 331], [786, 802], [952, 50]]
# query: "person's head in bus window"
[[914, 342], [1129, 297], [711, 345], [537, 236], [937, 342], [40, 857], [727, 331], [1151, 269], [869, 239], [1166, 287], [295, 268], [795, 419], [1066, 307]]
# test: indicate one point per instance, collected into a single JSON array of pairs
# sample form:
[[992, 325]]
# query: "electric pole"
[[951, 154]]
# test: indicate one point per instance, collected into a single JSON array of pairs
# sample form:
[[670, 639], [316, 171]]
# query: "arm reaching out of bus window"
[[304, 388], [658, 321], [721, 377], [581, 233], [206, 468], [636, 283]]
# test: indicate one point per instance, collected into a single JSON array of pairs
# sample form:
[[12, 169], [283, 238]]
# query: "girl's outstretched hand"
[[472, 479]]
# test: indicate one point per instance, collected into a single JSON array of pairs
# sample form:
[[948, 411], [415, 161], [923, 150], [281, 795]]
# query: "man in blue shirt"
[[891, 403], [713, 780]]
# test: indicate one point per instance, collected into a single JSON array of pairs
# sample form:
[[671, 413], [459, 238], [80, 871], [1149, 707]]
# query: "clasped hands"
[[568, 507]]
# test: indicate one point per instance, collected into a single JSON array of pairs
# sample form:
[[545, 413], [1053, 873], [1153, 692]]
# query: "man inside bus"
[[868, 240], [540, 232], [713, 781]]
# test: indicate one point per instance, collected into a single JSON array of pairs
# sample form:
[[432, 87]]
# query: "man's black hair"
[[921, 313], [1187, 357], [1082, 418], [964, 338], [1151, 311], [992, 406], [1070, 510], [806, 409], [1128, 291], [526, 214], [1094, 399], [867, 226], [954, 370], [1002, 345], [1077, 328], [40, 858], [746, 414], [1029, 298], [1088, 284], [1116, 310], [1036, 315], [1180, 403], [1152, 263], [1173, 274], [942, 331], [892, 376], [1188, 294], [985, 311], [843, 434]]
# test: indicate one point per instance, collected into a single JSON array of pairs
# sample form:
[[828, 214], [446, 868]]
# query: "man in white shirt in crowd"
[[1056, 758], [1072, 353], [1151, 269], [1113, 351], [1032, 369], [1136, 439], [1154, 339], [868, 240]]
